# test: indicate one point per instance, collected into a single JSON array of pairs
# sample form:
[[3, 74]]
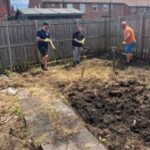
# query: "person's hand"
[[82, 42], [47, 40]]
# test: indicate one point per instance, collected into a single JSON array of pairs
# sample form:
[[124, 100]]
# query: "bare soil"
[[116, 109], [118, 114]]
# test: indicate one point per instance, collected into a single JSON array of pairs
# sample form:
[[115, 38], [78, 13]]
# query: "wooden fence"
[[18, 38], [141, 26]]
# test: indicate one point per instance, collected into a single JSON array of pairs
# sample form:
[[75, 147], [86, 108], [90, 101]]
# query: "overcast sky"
[[19, 3]]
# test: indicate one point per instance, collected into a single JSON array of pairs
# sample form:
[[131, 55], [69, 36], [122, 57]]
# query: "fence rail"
[[18, 38]]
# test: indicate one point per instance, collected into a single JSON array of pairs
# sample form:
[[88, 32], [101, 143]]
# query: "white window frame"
[[83, 7], [106, 7], [133, 9], [95, 7], [53, 5], [70, 5]]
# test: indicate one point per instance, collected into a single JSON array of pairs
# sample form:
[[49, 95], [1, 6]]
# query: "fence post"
[[77, 22], [109, 32], [142, 21], [8, 42], [118, 34], [106, 34], [36, 29]]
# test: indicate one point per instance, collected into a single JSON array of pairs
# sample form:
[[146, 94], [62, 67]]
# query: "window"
[[112, 6], [142, 9], [69, 5], [61, 5], [95, 7], [133, 10], [106, 7], [83, 7], [53, 5]]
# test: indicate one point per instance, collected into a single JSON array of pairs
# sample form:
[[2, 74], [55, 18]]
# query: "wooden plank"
[[8, 42], [23, 35], [142, 20]]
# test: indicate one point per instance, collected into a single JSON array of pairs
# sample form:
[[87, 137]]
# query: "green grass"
[[8, 73]]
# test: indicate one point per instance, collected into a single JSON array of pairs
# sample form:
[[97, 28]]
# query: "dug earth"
[[118, 113]]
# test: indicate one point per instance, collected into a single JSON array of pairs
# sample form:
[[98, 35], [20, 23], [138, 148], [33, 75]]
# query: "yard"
[[114, 108]]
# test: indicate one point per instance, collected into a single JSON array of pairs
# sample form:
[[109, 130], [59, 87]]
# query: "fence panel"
[[100, 34], [140, 24]]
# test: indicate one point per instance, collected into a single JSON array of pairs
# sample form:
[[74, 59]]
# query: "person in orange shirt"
[[129, 40]]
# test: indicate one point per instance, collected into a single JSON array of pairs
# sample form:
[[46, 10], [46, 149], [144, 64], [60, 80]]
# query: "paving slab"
[[42, 126], [36, 118]]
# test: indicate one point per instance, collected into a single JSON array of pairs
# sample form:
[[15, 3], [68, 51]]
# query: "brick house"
[[4, 9], [97, 8]]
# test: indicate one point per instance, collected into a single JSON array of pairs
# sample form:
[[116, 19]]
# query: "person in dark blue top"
[[43, 39], [78, 41]]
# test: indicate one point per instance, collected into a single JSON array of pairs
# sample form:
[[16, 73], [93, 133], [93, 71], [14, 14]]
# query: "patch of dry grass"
[[39, 83], [13, 133]]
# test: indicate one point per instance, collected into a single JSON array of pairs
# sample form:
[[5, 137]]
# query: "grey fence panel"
[[19, 39]]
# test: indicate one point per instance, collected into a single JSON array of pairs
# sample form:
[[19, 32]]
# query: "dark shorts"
[[129, 47], [43, 51]]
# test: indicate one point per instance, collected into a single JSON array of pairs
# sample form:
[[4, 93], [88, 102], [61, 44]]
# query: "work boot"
[[78, 62], [42, 66], [127, 63], [74, 64]]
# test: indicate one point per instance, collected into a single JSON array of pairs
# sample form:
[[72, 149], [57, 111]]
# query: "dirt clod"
[[114, 108]]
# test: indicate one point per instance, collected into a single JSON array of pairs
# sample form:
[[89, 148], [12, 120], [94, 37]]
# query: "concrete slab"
[[58, 145], [87, 141], [38, 123], [36, 118], [77, 137]]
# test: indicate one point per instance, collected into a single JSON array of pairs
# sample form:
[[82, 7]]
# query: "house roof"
[[127, 2], [49, 11]]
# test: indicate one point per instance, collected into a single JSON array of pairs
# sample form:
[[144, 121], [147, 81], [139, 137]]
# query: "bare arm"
[[76, 40], [127, 36], [38, 39], [82, 41]]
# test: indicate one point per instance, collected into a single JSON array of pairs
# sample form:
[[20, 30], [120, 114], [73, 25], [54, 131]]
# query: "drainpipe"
[[110, 12]]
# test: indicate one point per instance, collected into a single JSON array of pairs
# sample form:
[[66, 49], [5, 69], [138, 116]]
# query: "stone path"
[[54, 124]]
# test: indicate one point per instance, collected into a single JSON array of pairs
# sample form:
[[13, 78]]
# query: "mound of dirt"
[[118, 112]]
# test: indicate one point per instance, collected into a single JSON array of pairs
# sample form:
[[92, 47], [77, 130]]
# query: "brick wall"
[[4, 9], [51, 5], [35, 3], [117, 9]]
